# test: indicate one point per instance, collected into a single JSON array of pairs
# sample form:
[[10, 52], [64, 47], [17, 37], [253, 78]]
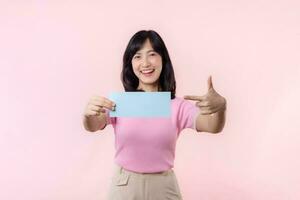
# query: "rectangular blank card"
[[141, 104]]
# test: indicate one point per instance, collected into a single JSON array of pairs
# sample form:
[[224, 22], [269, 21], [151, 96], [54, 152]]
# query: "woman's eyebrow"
[[146, 52]]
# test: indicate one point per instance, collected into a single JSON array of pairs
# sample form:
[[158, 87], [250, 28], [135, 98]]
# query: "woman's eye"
[[152, 54], [136, 57]]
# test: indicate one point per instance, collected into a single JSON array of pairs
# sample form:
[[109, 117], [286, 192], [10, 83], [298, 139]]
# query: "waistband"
[[121, 170]]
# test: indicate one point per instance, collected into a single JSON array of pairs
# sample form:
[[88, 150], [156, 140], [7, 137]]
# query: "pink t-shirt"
[[147, 145]]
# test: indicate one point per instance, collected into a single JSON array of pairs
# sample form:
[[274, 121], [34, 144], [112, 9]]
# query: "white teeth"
[[148, 71]]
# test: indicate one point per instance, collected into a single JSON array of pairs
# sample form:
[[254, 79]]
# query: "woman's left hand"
[[211, 102]]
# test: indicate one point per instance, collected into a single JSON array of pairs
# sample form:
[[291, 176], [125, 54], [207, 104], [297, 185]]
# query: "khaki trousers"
[[128, 185]]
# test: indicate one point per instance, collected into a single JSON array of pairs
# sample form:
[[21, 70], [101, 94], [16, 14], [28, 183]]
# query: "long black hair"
[[167, 80]]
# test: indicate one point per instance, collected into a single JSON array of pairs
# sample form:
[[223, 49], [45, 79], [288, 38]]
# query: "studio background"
[[54, 55]]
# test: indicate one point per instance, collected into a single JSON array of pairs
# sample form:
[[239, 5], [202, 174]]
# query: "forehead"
[[146, 46]]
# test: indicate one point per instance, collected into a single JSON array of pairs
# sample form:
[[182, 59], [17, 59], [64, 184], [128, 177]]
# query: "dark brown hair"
[[167, 80]]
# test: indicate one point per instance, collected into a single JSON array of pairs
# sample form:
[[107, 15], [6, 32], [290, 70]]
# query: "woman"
[[145, 147]]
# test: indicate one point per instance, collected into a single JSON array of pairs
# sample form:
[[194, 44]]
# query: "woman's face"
[[147, 66]]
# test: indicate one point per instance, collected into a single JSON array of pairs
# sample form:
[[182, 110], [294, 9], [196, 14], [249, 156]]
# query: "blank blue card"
[[141, 104]]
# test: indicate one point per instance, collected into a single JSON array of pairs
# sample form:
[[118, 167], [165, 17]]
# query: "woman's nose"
[[145, 62]]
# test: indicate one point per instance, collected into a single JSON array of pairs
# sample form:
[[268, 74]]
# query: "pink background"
[[55, 55]]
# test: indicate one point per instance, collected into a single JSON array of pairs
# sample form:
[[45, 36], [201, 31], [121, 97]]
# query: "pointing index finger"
[[193, 97]]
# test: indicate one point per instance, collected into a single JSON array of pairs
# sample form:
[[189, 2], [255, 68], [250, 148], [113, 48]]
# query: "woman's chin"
[[149, 82]]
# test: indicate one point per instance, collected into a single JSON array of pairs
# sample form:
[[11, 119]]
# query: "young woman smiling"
[[145, 147]]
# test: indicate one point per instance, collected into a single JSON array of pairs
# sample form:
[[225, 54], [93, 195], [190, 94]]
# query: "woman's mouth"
[[147, 72]]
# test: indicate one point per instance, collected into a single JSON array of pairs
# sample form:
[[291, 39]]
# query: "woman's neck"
[[149, 88]]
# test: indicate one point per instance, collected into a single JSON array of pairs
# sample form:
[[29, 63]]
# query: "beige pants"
[[128, 185]]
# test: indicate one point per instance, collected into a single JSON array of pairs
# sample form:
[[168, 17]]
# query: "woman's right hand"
[[97, 104]]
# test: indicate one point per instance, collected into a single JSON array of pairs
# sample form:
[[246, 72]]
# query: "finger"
[[194, 98], [110, 102], [97, 108], [103, 103], [203, 104], [206, 112], [210, 84], [104, 99], [91, 113], [210, 111], [100, 107]]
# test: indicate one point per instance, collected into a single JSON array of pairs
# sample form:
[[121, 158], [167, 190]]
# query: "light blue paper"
[[141, 104]]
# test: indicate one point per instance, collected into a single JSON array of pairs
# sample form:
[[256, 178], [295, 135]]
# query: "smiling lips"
[[147, 72]]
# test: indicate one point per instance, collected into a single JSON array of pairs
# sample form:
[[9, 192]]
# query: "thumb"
[[209, 83]]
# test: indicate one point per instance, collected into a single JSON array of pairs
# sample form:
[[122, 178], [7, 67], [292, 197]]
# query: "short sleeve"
[[187, 115]]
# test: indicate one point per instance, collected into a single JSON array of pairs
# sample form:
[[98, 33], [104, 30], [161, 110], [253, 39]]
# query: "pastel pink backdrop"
[[55, 54]]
